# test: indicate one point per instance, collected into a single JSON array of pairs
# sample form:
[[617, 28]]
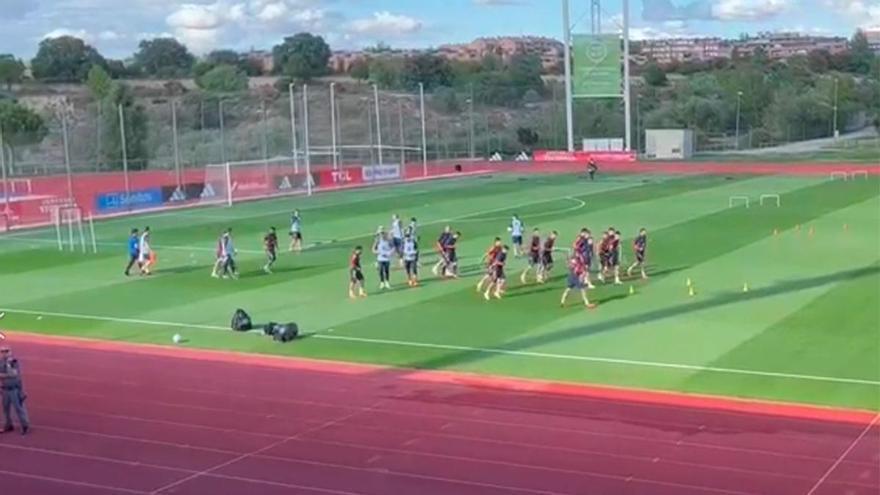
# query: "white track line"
[[843, 455], [80, 484], [480, 350]]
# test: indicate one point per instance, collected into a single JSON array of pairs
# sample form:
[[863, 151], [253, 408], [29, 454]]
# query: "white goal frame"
[[226, 170], [839, 175], [859, 173], [71, 220], [769, 197], [732, 200]]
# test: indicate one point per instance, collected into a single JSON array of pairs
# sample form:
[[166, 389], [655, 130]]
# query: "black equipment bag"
[[241, 321], [285, 332]]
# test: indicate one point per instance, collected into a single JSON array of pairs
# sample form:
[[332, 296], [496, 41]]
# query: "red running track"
[[115, 418]]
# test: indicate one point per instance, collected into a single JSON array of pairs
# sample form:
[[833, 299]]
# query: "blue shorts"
[[397, 243], [575, 281], [516, 239]]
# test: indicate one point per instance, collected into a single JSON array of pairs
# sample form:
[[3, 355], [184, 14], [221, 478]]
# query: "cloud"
[[76, 33], [717, 10], [865, 12], [109, 35], [17, 9], [497, 3], [385, 24]]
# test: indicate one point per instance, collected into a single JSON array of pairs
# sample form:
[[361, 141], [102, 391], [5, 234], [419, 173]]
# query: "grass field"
[[808, 329]]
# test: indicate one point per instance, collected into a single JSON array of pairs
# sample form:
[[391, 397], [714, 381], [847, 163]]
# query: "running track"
[[121, 419]]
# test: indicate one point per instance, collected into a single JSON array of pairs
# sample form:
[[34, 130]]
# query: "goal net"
[[228, 183]]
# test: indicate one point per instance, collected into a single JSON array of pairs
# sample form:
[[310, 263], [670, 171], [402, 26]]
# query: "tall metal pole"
[[3, 174], [378, 122], [333, 125], [569, 110], [124, 149], [65, 138], [400, 126], [627, 97], [471, 138], [290, 93], [836, 129], [264, 141], [307, 153], [739, 95], [424, 130], [175, 141], [222, 135]]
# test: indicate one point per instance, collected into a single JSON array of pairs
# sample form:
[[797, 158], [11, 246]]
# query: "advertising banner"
[[341, 177], [187, 192], [597, 66], [379, 173], [121, 201], [584, 156]]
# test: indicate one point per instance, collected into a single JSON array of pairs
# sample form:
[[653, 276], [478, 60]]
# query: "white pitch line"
[[843, 455], [480, 350]]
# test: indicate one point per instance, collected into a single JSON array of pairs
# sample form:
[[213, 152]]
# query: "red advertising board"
[[337, 178], [584, 156]]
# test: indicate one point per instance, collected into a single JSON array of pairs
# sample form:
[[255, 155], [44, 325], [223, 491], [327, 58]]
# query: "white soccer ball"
[[510, 229], [177, 338]]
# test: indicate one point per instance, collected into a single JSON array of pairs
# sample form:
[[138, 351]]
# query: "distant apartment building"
[[670, 50], [262, 59], [779, 46], [550, 51], [873, 35]]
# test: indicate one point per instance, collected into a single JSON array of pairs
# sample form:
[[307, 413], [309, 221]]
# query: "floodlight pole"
[[124, 149], [378, 122], [569, 113], [222, 132], [175, 142], [65, 138], [306, 150], [290, 93], [333, 124], [424, 131], [627, 97]]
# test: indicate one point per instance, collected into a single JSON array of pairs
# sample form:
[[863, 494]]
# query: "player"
[[356, 275], [604, 255], [147, 257], [218, 260], [640, 245], [450, 269], [414, 228], [295, 231], [397, 236], [411, 258], [516, 235], [534, 256], [499, 279], [384, 250], [134, 251], [227, 251], [588, 249], [576, 269], [547, 257], [592, 168], [270, 244], [441, 250], [489, 259], [615, 255]]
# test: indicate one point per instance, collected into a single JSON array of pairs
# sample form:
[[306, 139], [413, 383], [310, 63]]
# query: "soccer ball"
[[177, 338], [510, 229]]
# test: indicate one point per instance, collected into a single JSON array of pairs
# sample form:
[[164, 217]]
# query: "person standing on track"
[[13, 392], [134, 251]]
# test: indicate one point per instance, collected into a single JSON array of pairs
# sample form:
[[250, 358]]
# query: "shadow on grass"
[[460, 358]]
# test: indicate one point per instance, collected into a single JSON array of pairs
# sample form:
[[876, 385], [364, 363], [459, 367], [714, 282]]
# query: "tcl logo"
[[341, 177]]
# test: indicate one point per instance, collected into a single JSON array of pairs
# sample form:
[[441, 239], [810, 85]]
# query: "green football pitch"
[[806, 330]]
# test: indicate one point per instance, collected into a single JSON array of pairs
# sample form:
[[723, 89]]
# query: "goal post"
[[856, 174], [70, 231], [735, 200], [228, 183], [770, 198], [839, 175]]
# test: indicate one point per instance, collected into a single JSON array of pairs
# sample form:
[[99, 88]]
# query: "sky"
[[114, 27]]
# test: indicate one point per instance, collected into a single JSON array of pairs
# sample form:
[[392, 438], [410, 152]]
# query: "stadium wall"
[[103, 194]]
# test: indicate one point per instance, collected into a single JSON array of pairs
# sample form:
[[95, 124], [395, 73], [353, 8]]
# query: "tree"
[[819, 61], [861, 54], [11, 70], [163, 57], [135, 125], [428, 69], [654, 75], [527, 136], [524, 72], [223, 79], [359, 69], [302, 56], [65, 59], [99, 83], [20, 126], [386, 72]]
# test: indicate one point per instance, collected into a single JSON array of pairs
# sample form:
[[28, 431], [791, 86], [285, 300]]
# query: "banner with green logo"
[[598, 65]]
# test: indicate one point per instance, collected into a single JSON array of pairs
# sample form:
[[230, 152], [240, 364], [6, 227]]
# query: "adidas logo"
[[285, 184], [207, 192], [178, 195]]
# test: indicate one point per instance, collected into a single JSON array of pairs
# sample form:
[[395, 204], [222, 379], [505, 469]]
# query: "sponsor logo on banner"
[[207, 192], [583, 156], [285, 184], [341, 177], [142, 198], [182, 193], [379, 173]]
